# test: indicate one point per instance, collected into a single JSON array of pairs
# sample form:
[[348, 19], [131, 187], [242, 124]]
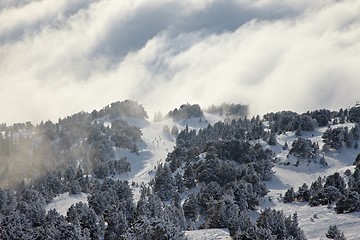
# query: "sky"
[[61, 57]]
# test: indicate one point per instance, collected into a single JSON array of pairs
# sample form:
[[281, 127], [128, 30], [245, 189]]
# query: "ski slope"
[[155, 147]]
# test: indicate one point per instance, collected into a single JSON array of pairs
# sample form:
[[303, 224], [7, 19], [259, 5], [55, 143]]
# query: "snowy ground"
[[208, 234], [64, 201], [313, 220], [291, 176], [157, 144], [152, 151]]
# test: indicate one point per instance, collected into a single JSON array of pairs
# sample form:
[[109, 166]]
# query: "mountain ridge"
[[198, 173]]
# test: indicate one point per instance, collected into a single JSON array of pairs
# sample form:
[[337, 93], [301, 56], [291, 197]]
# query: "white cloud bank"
[[60, 57]]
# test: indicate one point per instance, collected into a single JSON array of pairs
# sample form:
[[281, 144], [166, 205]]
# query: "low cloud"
[[57, 58]]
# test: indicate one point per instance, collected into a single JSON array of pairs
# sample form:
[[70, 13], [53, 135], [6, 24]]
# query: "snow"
[[64, 201], [158, 144], [315, 221], [155, 147], [153, 150], [287, 176], [316, 227], [208, 234]]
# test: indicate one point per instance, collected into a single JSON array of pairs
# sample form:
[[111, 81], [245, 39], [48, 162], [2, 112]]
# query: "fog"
[[61, 57]]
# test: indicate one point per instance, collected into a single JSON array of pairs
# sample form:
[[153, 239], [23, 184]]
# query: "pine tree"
[[189, 177], [334, 233], [81, 214], [175, 216], [285, 147], [166, 129], [135, 149], [153, 228], [348, 203], [293, 228], [272, 139], [75, 187], [84, 184], [190, 207], [176, 199], [180, 183], [303, 193], [216, 216], [356, 132], [158, 117], [323, 161], [337, 181], [164, 182], [174, 130], [348, 138], [155, 206], [357, 160], [289, 195], [298, 132], [117, 223], [274, 221]]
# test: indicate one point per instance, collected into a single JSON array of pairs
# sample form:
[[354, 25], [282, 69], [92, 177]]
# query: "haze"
[[61, 57]]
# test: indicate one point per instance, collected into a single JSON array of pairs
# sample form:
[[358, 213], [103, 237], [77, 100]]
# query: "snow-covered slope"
[[157, 144], [64, 201], [152, 151], [315, 221]]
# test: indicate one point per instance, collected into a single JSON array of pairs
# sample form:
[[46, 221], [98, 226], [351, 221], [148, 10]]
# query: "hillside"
[[291, 176], [114, 173]]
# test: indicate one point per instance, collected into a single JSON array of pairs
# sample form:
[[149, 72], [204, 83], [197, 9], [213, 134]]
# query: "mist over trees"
[[28, 151], [213, 178], [186, 111], [227, 109], [66, 55]]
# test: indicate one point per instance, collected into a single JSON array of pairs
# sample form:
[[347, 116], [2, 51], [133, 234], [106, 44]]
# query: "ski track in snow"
[[157, 144], [152, 151]]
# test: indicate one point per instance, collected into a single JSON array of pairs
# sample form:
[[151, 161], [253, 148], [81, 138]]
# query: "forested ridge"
[[215, 177]]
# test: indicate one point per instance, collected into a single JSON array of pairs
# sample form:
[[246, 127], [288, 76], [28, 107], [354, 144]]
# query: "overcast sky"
[[60, 57]]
